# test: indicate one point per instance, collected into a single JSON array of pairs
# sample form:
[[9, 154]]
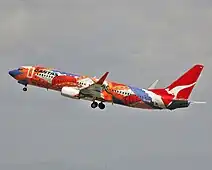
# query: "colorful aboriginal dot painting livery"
[[101, 90]]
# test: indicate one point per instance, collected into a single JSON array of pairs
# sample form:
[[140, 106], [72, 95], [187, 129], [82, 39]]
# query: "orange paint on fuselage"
[[55, 80]]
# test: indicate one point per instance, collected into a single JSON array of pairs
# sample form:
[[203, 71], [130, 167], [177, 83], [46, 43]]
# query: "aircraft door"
[[30, 72]]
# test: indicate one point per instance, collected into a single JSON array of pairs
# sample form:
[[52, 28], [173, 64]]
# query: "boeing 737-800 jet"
[[100, 91]]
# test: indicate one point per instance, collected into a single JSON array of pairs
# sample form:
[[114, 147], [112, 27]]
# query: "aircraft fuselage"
[[70, 85]]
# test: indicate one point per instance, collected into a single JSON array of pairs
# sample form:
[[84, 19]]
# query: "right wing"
[[94, 90]]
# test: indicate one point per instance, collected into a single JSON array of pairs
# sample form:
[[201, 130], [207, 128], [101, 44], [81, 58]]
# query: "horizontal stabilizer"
[[198, 102], [153, 85]]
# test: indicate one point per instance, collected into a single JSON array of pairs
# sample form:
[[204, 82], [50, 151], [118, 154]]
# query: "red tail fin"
[[183, 86]]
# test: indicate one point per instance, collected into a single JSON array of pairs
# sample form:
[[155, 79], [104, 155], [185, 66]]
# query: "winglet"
[[153, 85], [102, 79]]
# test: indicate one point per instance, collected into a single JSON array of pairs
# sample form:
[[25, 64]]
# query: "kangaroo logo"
[[177, 89]]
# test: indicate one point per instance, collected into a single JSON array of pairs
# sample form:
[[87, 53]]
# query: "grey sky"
[[138, 42]]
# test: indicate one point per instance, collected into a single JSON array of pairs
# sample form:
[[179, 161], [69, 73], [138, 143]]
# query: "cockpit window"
[[20, 69]]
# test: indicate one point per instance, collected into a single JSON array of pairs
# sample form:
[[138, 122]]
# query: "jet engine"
[[70, 92]]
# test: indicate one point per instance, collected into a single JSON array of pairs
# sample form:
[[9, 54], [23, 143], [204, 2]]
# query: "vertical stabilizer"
[[183, 86]]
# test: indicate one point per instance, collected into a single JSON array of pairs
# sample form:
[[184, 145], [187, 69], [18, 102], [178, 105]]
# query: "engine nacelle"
[[70, 92]]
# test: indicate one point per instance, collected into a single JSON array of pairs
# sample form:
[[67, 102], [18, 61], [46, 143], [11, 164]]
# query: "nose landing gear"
[[25, 88]]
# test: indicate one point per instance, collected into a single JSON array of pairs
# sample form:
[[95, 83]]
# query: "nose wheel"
[[95, 104], [25, 88]]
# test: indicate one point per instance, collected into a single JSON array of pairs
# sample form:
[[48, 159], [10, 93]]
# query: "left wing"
[[94, 90]]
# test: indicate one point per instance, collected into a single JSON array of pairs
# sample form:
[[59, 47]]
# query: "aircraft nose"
[[14, 73]]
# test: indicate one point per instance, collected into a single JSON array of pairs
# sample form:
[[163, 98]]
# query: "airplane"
[[100, 91]]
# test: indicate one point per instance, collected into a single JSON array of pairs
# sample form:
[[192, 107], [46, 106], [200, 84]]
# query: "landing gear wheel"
[[94, 105], [101, 105], [24, 89]]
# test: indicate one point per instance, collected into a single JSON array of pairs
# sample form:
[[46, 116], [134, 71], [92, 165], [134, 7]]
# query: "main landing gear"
[[95, 104]]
